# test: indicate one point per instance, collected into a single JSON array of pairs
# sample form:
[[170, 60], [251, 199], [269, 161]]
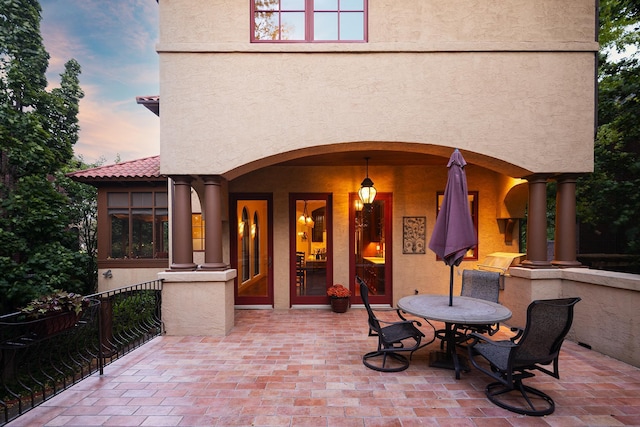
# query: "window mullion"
[[308, 15]]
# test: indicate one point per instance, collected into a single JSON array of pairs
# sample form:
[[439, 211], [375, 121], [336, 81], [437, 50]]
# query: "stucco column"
[[565, 234], [537, 223], [212, 225], [182, 245]]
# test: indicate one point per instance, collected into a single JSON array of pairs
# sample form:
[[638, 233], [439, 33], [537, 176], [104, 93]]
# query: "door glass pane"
[[311, 248], [252, 250], [370, 246]]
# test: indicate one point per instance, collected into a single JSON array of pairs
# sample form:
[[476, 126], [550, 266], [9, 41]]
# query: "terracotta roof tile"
[[147, 168]]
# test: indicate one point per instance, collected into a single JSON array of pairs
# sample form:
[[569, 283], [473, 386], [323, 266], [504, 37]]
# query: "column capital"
[[181, 179], [537, 177]]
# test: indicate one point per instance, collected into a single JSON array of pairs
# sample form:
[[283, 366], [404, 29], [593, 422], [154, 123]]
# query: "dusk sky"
[[114, 42]]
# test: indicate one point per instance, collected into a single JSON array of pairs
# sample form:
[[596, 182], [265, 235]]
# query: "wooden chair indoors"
[[300, 272]]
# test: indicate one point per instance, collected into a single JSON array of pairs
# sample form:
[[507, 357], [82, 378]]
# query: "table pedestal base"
[[441, 359]]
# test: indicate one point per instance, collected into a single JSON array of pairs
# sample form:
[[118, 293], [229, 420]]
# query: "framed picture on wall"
[[414, 234]]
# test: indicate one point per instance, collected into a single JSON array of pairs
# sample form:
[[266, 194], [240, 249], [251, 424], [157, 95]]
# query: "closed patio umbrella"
[[454, 234]]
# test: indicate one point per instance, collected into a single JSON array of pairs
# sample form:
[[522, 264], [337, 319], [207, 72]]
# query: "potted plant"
[[57, 311], [339, 298]]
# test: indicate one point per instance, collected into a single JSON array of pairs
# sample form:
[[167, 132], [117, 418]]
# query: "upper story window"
[[309, 20]]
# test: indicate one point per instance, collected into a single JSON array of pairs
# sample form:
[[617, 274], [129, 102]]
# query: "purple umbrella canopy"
[[454, 233]]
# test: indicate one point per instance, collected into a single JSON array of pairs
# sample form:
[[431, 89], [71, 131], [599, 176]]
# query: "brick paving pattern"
[[304, 368]]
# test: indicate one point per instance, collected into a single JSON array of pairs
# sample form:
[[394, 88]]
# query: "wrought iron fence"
[[40, 358]]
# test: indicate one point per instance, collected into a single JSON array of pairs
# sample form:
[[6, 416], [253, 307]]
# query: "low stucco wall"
[[606, 320], [198, 303]]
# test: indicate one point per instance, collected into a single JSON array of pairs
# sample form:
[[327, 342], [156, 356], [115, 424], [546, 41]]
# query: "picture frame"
[[414, 234]]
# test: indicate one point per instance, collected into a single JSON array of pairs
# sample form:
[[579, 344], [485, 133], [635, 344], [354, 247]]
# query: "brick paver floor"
[[304, 368]]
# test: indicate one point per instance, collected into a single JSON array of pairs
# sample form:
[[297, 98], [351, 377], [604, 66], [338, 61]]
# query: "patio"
[[304, 368]]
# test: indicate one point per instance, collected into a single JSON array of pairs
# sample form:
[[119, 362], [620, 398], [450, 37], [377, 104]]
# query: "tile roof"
[[141, 169], [151, 102]]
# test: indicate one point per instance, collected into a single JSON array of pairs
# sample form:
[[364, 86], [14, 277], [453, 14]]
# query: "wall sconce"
[[253, 230], [305, 219], [241, 228], [107, 274], [359, 205], [367, 191]]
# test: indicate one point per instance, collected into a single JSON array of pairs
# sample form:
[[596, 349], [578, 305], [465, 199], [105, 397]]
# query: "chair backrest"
[[374, 324], [548, 322], [481, 284]]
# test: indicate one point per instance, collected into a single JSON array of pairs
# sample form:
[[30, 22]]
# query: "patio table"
[[463, 310]]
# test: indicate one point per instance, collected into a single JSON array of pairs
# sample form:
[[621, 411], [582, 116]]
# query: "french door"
[[310, 249], [370, 246], [251, 234]]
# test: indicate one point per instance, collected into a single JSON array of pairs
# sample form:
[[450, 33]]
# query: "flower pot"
[[340, 305], [54, 323]]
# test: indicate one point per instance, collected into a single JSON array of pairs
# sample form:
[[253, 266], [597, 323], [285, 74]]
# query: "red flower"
[[338, 291]]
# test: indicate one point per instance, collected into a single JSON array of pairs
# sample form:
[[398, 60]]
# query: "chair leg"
[[398, 363], [496, 392]]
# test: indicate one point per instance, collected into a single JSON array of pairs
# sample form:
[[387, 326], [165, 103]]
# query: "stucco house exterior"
[[274, 112]]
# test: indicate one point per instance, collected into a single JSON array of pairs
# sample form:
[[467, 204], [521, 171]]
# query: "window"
[[197, 231], [139, 225], [309, 20]]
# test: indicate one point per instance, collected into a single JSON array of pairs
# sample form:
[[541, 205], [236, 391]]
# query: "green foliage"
[[56, 302], [38, 129], [608, 201], [132, 311]]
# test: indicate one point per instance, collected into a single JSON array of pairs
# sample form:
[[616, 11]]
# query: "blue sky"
[[114, 42]]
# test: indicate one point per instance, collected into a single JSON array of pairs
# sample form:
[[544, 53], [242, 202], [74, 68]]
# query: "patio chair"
[[393, 338], [511, 361], [478, 284]]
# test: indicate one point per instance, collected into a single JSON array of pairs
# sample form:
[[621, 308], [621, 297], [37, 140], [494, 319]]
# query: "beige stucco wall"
[[422, 22], [122, 277], [511, 81], [606, 319], [414, 194]]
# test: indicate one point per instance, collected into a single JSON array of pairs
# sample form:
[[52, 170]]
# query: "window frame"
[[309, 13], [105, 231]]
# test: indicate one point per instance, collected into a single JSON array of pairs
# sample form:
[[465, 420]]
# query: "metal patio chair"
[[511, 361], [393, 338], [478, 284]]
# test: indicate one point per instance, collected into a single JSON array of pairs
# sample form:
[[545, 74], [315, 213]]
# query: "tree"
[[37, 132], [607, 200]]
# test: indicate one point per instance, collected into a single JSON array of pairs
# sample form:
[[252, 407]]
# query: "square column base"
[[198, 303]]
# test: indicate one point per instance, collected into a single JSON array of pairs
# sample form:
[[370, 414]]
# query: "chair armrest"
[[402, 322], [400, 315], [518, 331], [476, 337]]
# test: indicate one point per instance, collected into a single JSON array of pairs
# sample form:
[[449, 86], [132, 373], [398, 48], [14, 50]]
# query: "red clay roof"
[[134, 170]]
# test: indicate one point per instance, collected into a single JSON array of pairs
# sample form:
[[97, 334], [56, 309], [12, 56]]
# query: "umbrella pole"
[[451, 287]]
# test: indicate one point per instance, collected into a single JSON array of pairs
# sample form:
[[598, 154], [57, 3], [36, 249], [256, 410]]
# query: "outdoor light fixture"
[[305, 219], [367, 191]]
